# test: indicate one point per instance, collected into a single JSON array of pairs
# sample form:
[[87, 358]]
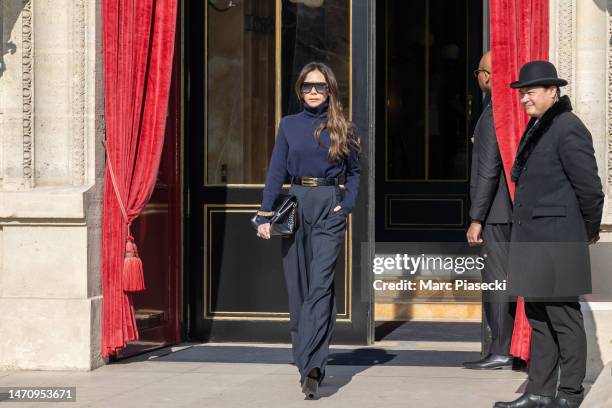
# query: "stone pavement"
[[390, 373]]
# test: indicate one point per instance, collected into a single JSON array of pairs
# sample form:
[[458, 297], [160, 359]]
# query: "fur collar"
[[534, 132]]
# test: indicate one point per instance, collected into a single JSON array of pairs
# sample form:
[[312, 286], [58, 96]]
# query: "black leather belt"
[[314, 182]]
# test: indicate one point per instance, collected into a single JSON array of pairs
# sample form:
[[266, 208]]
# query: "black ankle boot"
[[310, 386]]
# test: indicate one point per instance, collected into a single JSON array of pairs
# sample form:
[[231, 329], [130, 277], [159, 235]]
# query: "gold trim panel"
[[399, 197], [209, 209]]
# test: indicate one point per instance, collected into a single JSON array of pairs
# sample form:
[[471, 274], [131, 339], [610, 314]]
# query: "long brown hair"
[[341, 131]]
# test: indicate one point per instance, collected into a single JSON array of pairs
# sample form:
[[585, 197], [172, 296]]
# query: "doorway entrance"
[[427, 104], [242, 59]]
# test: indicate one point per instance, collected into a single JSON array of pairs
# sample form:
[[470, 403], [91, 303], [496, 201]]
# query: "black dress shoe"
[[490, 362], [527, 401], [561, 402]]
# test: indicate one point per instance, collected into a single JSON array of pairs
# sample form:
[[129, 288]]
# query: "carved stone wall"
[[45, 67], [563, 40], [27, 62], [17, 95], [51, 115], [78, 92], [609, 103], [579, 47]]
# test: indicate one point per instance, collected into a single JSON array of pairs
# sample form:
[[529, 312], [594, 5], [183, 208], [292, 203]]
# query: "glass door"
[[243, 58], [427, 104]]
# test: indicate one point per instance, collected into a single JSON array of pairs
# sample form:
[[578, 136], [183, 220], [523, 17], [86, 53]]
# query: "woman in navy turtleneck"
[[317, 143]]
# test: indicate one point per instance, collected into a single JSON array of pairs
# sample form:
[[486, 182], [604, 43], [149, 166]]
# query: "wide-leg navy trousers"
[[309, 260]]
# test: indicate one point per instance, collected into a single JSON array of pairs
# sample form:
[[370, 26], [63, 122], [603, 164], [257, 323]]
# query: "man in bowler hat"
[[558, 206], [491, 214]]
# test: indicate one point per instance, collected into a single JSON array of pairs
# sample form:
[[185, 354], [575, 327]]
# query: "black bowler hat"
[[535, 73]]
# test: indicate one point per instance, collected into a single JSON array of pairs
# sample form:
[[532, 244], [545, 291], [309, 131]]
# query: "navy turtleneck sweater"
[[297, 154]]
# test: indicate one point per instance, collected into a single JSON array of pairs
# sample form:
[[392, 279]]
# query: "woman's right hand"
[[263, 231]]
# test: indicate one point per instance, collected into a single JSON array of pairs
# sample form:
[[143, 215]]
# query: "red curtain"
[[519, 34], [138, 43]]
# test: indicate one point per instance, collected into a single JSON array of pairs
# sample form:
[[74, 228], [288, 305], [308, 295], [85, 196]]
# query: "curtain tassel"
[[133, 275]]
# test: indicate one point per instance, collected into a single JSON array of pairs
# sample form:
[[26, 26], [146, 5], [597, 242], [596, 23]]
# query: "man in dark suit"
[[491, 214], [558, 205]]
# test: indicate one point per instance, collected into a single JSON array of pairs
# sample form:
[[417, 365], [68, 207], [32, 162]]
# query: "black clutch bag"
[[284, 220]]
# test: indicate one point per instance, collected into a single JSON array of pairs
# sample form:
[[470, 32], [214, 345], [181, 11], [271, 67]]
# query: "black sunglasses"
[[478, 71], [320, 87]]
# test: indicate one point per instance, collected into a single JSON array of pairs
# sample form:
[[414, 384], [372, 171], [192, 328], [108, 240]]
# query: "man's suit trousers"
[[558, 342], [499, 310]]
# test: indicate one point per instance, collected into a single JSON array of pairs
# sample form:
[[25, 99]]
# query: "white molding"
[[562, 41]]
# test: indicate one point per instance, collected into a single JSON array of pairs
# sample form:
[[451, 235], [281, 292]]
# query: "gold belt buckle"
[[309, 182]]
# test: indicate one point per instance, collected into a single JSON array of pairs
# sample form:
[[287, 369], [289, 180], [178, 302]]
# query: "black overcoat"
[[558, 205]]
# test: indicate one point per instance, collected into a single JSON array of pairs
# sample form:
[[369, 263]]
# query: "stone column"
[[580, 48], [51, 169]]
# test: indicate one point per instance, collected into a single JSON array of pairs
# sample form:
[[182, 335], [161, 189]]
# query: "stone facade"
[[580, 47], [51, 166]]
